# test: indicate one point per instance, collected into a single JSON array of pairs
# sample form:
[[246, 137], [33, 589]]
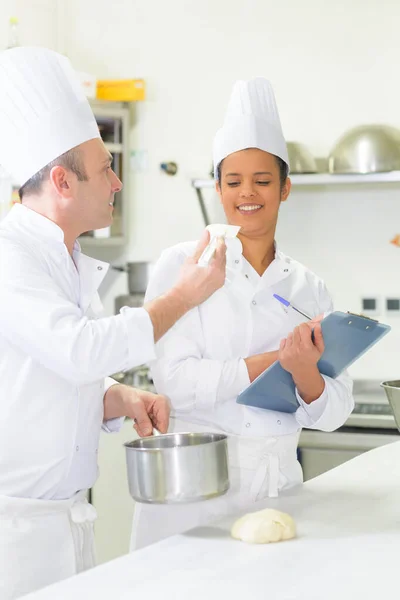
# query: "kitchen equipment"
[[138, 377], [131, 300], [370, 425], [138, 276], [366, 149], [177, 467], [392, 389], [300, 158]]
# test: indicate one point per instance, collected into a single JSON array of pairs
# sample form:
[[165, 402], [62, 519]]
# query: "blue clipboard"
[[347, 337]]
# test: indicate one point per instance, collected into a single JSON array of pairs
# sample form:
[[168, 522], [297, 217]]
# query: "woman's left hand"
[[298, 353]]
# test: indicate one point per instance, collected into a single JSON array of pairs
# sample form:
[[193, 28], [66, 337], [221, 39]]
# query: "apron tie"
[[82, 517], [268, 469]]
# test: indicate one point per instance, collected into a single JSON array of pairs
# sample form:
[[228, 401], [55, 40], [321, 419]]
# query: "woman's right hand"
[[314, 321]]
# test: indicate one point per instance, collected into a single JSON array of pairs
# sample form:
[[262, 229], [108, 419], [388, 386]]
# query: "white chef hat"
[[43, 110], [251, 121]]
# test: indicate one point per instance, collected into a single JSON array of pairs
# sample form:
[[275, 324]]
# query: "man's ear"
[[60, 180]]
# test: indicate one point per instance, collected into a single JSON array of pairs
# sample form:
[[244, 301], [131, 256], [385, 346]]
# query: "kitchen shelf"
[[310, 180], [113, 121], [323, 179]]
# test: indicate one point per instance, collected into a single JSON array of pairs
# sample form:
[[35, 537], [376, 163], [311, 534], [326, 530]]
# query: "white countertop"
[[347, 548]]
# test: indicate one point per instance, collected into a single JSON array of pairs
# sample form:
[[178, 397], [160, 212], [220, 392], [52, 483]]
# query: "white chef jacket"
[[55, 358], [200, 361]]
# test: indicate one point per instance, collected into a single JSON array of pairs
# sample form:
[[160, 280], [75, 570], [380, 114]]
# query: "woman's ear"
[[218, 190], [285, 191]]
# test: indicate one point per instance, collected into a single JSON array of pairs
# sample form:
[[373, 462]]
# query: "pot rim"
[[394, 383], [222, 439]]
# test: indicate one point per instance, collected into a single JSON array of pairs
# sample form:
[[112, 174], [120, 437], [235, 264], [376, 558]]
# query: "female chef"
[[218, 348]]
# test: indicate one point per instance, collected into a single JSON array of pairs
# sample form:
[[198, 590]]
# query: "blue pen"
[[287, 304]]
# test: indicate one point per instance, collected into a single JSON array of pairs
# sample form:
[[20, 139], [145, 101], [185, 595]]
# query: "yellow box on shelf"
[[121, 90]]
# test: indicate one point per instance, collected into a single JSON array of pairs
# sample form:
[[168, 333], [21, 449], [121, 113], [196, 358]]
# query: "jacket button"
[[77, 448], [279, 422], [285, 270], [254, 302], [99, 268], [248, 424], [237, 262]]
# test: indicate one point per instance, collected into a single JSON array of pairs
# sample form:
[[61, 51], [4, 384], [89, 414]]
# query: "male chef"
[[56, 352]]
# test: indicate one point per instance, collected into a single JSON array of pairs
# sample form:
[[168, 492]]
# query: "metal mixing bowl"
[[366, 149], [300, 158], [392, 389]]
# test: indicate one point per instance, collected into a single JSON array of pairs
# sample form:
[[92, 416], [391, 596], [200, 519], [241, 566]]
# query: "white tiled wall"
[[343, 233]]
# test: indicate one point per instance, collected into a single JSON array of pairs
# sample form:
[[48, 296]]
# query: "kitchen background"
[[333, 65]]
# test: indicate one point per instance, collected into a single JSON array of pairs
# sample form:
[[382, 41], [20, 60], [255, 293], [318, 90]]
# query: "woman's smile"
[[249, 208]]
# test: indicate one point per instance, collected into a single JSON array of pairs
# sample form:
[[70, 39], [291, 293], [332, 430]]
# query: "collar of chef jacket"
[[237, 267], [43, 232]]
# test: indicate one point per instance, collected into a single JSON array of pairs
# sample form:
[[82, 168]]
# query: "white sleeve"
[[333, 407], [180, 371], [112, 425], [36, 316]]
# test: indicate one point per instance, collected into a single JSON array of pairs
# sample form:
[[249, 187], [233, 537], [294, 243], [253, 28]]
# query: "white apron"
[[43, 541], [258, 468]]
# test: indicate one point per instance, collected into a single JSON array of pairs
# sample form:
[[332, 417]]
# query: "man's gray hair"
[[71, 160]]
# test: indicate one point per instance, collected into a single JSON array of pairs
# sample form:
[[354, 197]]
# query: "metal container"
[[177, 467], [300, 158], [138, 377], [366, 149], [392, 389], [131, 300], [138, 276]]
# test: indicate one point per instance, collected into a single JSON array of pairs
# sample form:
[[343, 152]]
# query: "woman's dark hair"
[[283, 170]]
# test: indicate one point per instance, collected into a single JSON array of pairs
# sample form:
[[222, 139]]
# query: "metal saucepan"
[[392, 389], [177, 467]]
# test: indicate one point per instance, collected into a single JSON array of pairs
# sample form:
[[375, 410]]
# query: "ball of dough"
[[264, 526]]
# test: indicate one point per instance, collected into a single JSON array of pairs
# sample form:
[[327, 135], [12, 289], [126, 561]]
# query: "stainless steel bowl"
[[392, 389], [300, 158], [177, 467], [366, 149]]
